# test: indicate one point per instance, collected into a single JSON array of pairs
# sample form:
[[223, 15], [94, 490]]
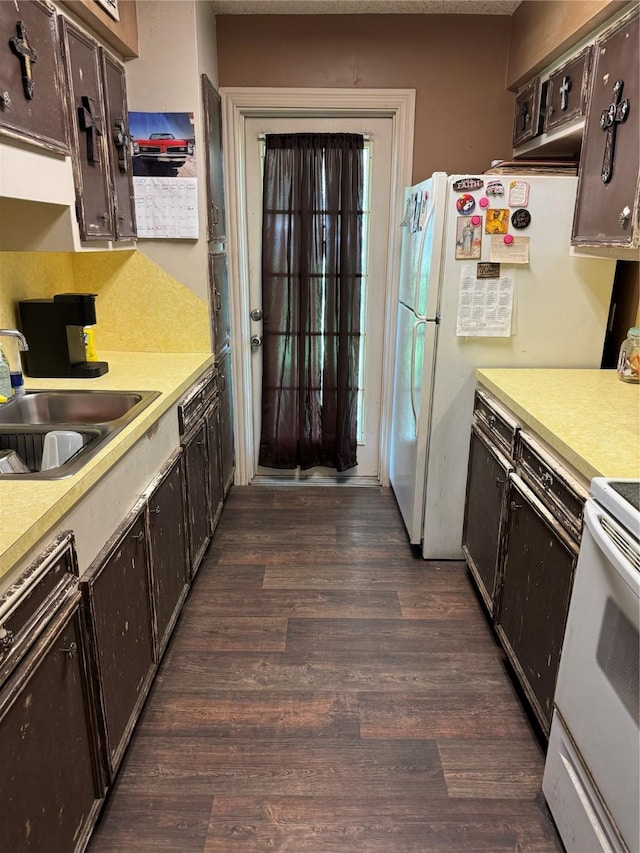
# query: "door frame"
[[239, 103]]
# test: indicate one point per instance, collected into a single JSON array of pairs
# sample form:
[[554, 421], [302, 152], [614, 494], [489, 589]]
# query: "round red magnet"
[[476, 220], [508, 239], [484, 202]]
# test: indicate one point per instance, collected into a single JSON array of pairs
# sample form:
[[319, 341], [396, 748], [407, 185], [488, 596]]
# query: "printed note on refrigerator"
[[485, 306], [514, 252]]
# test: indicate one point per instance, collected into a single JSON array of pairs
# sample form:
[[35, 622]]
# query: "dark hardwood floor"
[[326, 691]]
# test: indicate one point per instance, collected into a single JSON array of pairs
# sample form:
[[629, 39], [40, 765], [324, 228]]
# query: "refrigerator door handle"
[[423, 238], [414, 336]]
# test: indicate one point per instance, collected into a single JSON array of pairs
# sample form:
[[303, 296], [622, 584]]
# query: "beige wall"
[[456, 64], [542, 31]]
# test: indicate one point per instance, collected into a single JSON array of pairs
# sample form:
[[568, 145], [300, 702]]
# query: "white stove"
[[591, 779]]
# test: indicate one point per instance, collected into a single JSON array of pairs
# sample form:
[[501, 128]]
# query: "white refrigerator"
[[559, 310]]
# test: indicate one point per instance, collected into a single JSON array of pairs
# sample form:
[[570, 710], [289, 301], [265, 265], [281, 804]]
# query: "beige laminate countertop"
[[30, 508], [589, 416]]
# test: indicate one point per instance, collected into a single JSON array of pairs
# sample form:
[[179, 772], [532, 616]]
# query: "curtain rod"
[[365, 136]]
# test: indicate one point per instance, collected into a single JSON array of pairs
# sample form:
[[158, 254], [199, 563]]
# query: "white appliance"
[[591, 776], [560, 316]]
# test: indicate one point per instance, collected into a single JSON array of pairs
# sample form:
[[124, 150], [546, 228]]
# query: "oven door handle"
[[615, 543]]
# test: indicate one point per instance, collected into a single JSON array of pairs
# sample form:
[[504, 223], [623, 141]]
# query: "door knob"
[[256, 314], [256, 341]]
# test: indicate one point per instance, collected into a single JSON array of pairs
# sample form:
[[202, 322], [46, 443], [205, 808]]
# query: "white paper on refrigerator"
[[485, 306]]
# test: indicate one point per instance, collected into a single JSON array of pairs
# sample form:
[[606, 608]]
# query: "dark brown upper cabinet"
[[526, 118], [568, 90], [219, 299], [119, 143], [215, 175], [31, 83], [606, 212], [100, 138]]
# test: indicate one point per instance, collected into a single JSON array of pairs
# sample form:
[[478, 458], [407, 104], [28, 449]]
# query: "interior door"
[[377, 186]]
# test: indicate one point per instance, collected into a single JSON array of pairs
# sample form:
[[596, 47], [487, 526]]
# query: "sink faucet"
[[23, 346]]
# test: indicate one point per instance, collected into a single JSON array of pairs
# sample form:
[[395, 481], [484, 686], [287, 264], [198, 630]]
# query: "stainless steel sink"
[[97, 415], [74, 407]]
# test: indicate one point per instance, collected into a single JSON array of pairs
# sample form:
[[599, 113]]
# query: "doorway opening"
[[249, 114]]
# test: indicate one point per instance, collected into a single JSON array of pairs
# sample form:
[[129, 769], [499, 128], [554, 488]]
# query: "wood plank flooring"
[[326, 691]]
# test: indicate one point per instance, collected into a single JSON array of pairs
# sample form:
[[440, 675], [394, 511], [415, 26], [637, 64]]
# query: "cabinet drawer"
[[495, 422], [553, 484], [193, 406], [38, 591]]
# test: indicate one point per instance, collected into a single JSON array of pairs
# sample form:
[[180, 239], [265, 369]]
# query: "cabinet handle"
[[223, 381], [70, 651], [515, 506], [499, 482], [104, 216], [624, 215], [155, 510], [218, 300], [6, 639], [139, 536], [5, 101], [547, 480], [491, 420], [200, 442]]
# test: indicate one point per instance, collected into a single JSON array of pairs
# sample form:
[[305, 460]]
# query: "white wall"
[[177, 40]]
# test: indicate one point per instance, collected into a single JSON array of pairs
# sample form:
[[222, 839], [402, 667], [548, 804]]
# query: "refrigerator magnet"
[[465, 204], [520, 218], [484, 202], [495, 188], [468, 238], [497, 221], [518, 193]]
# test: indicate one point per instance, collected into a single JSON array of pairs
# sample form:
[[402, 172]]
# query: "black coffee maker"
[[54, 329]]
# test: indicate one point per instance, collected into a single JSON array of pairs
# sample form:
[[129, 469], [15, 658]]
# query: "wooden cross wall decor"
[[565, 88], [523, 116], [121, 140], [28, 57], [90, 122], [615, 114]]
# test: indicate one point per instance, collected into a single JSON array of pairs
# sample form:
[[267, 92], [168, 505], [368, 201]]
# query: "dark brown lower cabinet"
[[487, 478], [168, 549], [227, 454], [197, 486], [537, 577], [117, 594], [216, 487], [51, 788]]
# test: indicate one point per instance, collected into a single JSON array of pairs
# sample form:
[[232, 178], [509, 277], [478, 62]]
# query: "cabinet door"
[[88, 130], [568, 90], [169, 551], [487, 479], [50, 788], [119, 144], [537, 577], [527, 114], [215, 174], [215, 465], [219, 298], [117, 593], [606, 211], [227, 455], [197, 483], [32, 104]]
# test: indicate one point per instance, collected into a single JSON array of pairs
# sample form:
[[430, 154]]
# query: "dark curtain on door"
[[311, 281]]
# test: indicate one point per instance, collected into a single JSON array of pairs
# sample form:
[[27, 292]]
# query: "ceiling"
[[365, 7]]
